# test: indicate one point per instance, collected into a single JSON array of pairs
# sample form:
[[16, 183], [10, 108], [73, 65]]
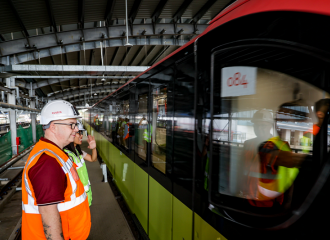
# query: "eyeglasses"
[[73, 125], [80, 132]]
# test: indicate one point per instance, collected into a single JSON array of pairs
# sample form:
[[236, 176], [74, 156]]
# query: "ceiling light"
[[95, 93], [103, 79]]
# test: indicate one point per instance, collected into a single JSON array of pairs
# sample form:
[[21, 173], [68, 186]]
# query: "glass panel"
[[158, 128], [263, 138], [123, 122], [142, 120]]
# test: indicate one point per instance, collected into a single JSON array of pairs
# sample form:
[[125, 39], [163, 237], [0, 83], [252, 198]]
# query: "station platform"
[[108, 221]]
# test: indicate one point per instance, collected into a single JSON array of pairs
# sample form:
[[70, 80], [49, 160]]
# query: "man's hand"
[[91, 142], [51, 221]]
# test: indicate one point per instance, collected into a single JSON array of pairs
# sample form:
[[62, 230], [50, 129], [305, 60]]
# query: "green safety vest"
[[147, 134], [285, 176], [305, 142], [82, 172]]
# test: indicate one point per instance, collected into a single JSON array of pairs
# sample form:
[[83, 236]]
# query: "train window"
[[142, 127], [265, 132], [96, 120], [123, 122], [157, 134]]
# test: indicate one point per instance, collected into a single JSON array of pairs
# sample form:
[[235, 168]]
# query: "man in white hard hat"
[[54, 201], [262, 124]]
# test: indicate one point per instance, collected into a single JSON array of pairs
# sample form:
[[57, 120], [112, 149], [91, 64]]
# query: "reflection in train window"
[[158, 128], [123, 123], [140, 134], [263, 135]]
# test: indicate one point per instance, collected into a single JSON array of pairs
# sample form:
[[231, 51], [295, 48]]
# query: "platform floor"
[[108, 221]]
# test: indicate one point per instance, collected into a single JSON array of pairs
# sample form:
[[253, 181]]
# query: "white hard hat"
[[80, 126], [58, 110], [262, 116]]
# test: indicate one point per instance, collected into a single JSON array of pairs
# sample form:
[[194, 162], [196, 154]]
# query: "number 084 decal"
[[238, 81]]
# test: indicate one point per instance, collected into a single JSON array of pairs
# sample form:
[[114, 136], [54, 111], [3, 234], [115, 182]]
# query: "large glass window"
[[158, 128], [266, 136], [141, 136]]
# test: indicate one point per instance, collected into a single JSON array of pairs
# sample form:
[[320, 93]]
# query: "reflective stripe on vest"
[[81, 168], [74, 210], [66, 166], [276, 184]]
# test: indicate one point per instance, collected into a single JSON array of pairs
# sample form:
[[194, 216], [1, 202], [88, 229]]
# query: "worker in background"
[[122, 130], [118, 129], [97, 123], [126, 135], [54, 202], [78, 156]]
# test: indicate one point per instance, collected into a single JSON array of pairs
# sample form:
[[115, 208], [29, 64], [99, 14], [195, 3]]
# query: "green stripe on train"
[[168, 217]]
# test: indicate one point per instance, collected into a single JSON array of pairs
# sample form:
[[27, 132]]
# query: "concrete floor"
[[108, 221]]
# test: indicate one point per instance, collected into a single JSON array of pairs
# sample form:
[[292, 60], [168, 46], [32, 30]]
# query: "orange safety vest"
[[127, 133], [74, 211]]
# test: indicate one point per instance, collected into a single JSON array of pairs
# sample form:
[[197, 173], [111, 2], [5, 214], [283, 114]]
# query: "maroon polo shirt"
[[48, 179]]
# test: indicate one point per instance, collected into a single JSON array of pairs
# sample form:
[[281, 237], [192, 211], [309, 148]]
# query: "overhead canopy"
[[84, 35]]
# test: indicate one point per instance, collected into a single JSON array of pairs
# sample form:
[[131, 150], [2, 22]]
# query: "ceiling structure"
[[79, 45]]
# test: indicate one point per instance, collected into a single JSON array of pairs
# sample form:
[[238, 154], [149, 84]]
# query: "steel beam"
[[125, 56], [53, 81], [51, 14], [13, 8], [81, 14], [203, 10], [91, 57], [11, 99], [97, 97], [113, 56], [81, 69], [93, 35], [134, 11], [177, 16], [158, 55], [158, 10], [109, 11], [148, 53], [68, 94], [28, 56], [136, 55]]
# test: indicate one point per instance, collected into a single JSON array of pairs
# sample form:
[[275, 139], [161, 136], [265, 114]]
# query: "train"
[[187, 140]]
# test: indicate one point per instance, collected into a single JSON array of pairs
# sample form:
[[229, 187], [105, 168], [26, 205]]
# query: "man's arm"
[[289, 159], [51, 221]]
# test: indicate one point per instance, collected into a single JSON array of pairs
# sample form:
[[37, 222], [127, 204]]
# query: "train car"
[[228, 137]]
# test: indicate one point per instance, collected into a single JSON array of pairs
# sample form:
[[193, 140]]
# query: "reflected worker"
[[54, 202], [270, 167]]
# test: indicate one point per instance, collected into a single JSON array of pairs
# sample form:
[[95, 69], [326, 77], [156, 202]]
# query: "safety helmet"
[[58, 110], [80, 126], [262, 116]]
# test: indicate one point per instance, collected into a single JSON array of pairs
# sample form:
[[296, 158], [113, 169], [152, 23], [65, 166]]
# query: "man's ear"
[[52, 127]]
